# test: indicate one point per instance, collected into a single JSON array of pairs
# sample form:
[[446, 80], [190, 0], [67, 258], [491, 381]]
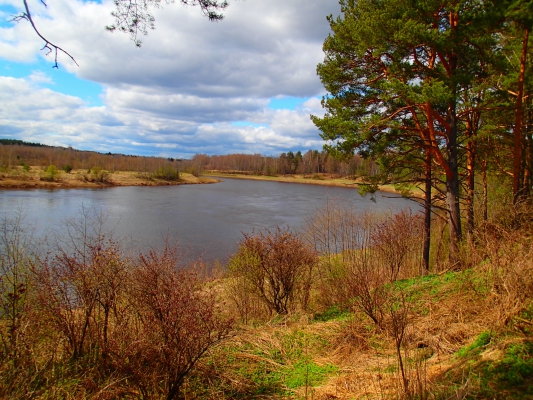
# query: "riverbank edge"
[[118, 179], [337, 182]]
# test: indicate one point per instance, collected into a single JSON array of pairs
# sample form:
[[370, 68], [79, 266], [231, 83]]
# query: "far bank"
[[317, 179]]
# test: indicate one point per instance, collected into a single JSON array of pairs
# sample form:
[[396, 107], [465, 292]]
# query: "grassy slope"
[[456, 343], [458, 347]]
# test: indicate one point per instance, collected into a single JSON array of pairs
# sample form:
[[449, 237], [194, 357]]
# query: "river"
[[206, 220]]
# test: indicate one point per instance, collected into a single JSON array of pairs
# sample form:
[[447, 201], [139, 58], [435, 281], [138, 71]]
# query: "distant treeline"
[[17, 152], [21, 143], [309, 163]]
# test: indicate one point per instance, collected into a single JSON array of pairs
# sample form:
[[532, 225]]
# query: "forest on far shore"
[[15, 153]]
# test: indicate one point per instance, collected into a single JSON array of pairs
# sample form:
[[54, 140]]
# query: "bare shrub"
[[247, 304], [505, 255], [276, 267], [398, 241], [17, 306], [82, 295], [80, 291], [15, 277], [366, 284], [395, 244], [128, 325], [396, 327], [90, 322], [411, 380], [362, 253], [343, 238], [179, 321]]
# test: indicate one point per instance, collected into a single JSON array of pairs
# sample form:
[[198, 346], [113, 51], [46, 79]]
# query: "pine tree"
[[395, 70]]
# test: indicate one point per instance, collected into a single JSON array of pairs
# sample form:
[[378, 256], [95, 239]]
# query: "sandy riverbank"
[[17, 178], [35, 178]]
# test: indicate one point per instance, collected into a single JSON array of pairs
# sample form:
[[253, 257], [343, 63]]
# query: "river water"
[[207, 220]]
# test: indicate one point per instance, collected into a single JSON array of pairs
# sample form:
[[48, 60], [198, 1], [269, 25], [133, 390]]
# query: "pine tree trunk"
[[452, 179], [427, 212], [528, 156], [485, 190], [470, 167], [454, 218], [518, 137], [452, 188]]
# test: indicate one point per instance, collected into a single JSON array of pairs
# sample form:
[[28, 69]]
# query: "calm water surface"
[[208, 220]]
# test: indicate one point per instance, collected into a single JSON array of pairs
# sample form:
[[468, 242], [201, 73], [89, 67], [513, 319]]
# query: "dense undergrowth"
[[347, 312]]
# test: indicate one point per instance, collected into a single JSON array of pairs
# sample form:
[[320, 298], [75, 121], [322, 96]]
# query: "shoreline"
[[76, 180], [337, 182]]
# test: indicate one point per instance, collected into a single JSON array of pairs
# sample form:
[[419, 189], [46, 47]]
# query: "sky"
[[246, 84]]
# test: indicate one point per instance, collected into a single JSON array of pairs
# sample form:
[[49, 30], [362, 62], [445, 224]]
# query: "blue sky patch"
[[62, 81], [7, 12], [286, 102]]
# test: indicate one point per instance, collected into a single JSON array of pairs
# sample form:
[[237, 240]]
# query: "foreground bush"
[[274, 266], [361, 253], [17, 313], [180, 321], [91, 322]]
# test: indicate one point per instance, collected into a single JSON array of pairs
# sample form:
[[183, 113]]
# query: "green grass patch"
[[307, 373], [430, 282], [515, 370], [475, 348], [417, 290], [265, 379], [390, 369], [332, 313], [509, 375], [472, 281], [279, 366]]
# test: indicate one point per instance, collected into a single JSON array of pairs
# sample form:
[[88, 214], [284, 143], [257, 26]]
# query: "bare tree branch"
[[131, 16], [51, 47], [135, 16]]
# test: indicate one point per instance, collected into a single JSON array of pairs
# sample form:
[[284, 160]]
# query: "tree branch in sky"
[[135, 16], [49, 46], [131, 16]]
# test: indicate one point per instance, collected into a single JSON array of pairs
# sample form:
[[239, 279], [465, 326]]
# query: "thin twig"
[[48, 45]]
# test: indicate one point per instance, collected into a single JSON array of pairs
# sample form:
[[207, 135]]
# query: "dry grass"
[[365, 356], [448, 311], [18, 178]]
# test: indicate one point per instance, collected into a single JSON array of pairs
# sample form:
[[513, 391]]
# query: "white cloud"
[[179, 92], [40, 77], [313, 104]]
